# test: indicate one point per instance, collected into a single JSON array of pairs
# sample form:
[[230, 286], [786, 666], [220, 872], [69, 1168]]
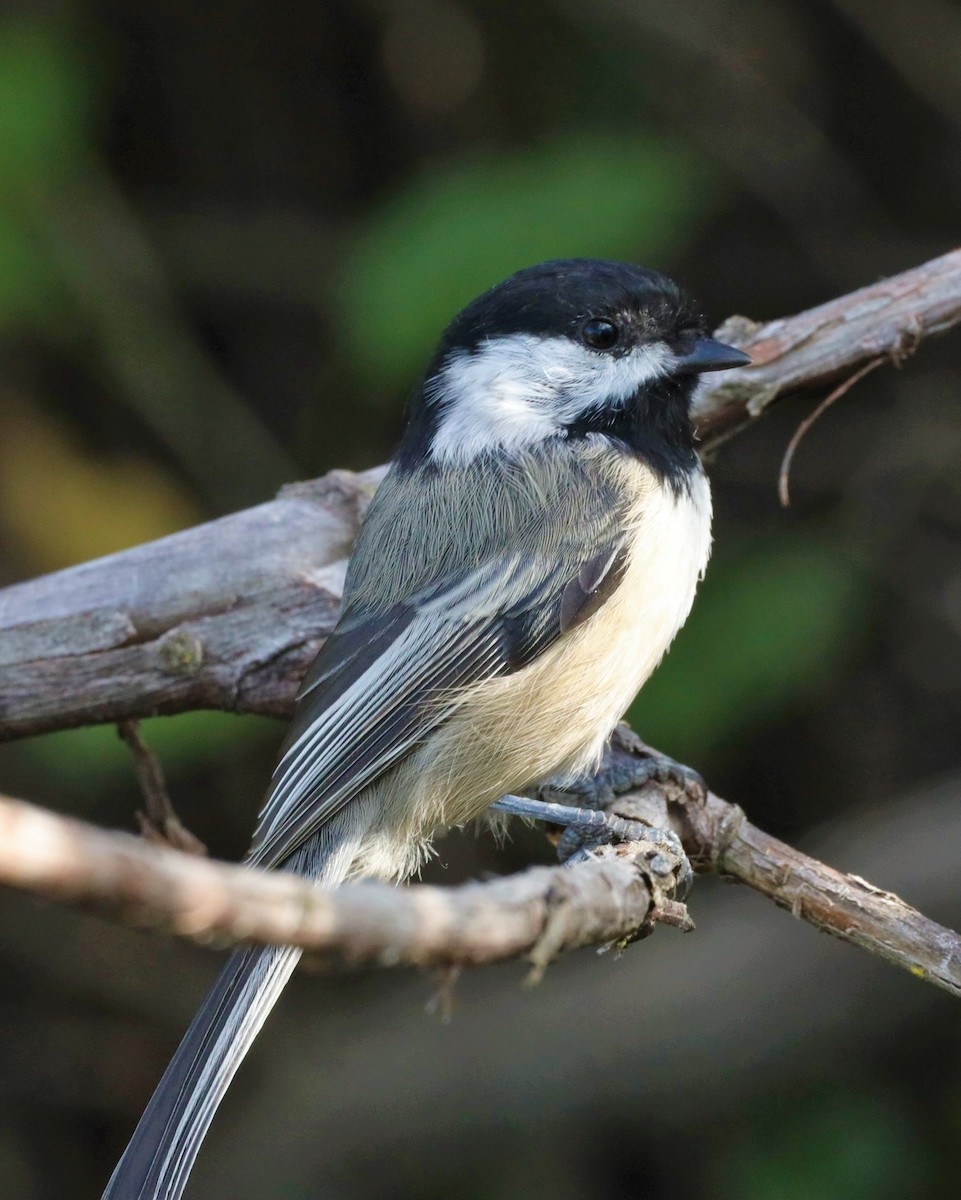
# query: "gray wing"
[[383, 681]]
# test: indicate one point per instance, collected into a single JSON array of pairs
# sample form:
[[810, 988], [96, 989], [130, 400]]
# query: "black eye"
[[599, 333]]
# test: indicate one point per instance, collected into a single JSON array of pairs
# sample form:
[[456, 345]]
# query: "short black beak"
[[706, 354]]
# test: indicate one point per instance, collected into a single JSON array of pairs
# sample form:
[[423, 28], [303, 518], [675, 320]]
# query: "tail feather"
[[167, 1140], [161, 1153]]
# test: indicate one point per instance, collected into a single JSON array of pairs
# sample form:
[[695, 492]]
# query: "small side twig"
[[158, 821], [836, 902], [829, 399]]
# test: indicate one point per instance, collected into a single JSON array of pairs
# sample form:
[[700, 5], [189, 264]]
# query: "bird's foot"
[[628, 766], [637, 783], [585, 829]]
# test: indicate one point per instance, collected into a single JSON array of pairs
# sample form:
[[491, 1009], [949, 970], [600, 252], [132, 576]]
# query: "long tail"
[[165, 1144]]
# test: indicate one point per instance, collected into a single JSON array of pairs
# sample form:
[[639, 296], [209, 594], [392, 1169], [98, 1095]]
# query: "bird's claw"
[[587, 829], [629, 766], [666, 858]]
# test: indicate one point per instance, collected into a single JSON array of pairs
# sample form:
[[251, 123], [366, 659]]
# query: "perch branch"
[[844, 905], [229, 615], [538, 913], [610, 898]]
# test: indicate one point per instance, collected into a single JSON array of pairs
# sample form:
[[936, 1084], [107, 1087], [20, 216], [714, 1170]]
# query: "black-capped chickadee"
[[523, 567]]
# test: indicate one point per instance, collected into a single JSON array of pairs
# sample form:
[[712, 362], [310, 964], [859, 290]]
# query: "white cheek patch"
[[515, 391]]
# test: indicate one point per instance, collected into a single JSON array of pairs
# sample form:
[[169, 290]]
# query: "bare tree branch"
[[229, 614], [844, 905], [719, 839], [889, 319], [611, 898], [538, 913]]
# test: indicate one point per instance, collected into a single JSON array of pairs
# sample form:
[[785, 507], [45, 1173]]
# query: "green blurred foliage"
[[46, 100], [769, 624], [830, 1146], [79, 762], [28, 286], [459, 228], [45, 105]]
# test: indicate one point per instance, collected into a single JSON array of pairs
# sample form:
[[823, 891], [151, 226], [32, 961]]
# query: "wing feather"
[[394, 669], [364, 722]]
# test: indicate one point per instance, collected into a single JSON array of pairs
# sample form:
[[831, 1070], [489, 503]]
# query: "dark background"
[[229, 234]]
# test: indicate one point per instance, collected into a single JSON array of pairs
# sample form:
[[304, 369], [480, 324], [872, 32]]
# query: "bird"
[[527, 560]]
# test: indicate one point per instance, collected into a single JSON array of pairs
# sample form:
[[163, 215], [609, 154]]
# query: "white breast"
[[555, 714], [668, 558], [624, 642]]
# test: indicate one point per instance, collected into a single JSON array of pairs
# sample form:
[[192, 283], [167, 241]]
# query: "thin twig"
[[719, 839], [809, 420], [159, 822], [846, 906]]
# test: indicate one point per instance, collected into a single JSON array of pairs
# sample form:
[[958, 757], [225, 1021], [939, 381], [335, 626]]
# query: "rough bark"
[[229, 614], [888, 319]]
